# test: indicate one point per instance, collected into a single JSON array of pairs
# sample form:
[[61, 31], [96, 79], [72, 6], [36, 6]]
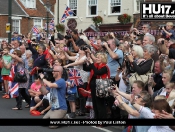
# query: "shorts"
[[71, 97], [6, 77]]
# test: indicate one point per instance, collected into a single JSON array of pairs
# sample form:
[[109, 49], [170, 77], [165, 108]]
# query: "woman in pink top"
[[35, 92]]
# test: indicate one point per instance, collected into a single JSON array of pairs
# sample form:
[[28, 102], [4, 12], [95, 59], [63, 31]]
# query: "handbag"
[[102, 86], [144, 78], [20, 76]]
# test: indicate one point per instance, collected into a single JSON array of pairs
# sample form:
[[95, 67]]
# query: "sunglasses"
[[139, 96], [143, 27], [14, 53]]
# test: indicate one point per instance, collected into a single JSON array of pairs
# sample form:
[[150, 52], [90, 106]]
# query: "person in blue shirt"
[[57, 95], [16, 36], [168, 32]]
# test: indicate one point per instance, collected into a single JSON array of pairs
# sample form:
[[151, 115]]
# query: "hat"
[[35, 113], [15, 32]]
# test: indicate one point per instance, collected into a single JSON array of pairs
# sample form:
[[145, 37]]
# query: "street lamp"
[[47, 6]]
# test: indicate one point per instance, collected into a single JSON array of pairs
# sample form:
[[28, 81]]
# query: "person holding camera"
[[168, 31], [57, 95], [162, 47], [75, 41], [115, 55], [145, 30]]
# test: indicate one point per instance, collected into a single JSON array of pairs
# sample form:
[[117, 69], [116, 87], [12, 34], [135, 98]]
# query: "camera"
[[68, 37], [139, 33], [160, 28], [48, 74], [127, 53]]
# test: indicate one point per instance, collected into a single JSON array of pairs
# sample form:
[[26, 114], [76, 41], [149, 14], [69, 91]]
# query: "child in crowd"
[[6, 65], [44, 105], [71, 97], [168, 32], [35, 93]]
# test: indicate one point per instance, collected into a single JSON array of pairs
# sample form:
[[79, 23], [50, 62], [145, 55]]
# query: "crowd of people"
[[46, 64]]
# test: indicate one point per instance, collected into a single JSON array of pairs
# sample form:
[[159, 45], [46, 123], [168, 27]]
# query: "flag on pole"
[[13, 86], [74, 77], [35, 30], [67, 12]]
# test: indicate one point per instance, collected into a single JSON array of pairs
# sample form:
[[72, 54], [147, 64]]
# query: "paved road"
[[7, 112]]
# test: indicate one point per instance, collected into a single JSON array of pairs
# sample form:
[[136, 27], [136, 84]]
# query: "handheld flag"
[[74, 77], [67, 12]]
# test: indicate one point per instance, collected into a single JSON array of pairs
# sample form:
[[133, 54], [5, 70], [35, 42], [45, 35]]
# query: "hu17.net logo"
[[157, 11]]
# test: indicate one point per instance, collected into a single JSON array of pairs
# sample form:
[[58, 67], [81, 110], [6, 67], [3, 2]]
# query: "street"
[[7, 112]]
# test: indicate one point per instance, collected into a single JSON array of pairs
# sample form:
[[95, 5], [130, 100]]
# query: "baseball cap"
[[15, 32]]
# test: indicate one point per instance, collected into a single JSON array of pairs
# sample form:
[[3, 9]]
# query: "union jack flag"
[[67, 12], [12, 86], [74, 77], [35, 30]]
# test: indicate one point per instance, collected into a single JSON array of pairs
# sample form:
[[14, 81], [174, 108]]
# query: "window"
[[73, 6], [115, 6], [138, 5], [38, 22], [92, 7], [29, 3], [16, 25]]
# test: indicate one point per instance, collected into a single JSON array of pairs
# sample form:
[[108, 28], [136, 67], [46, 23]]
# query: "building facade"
[[25, 15], [85, 10]]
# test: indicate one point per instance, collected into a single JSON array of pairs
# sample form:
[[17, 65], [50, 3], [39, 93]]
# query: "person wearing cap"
[[16, 36]]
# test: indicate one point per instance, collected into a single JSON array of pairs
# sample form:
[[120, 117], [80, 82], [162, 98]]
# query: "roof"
[[16, 10], [40, 10]]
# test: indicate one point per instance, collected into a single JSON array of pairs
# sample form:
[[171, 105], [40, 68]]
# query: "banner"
[[86, 122], [122, 33]]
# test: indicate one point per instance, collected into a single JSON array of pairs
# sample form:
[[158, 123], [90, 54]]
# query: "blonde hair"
[[139, 50], [170, 84], [160, 97], [170, 24], [103, 56]]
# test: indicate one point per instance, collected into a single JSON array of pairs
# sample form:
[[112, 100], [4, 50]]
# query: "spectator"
[[148, 39], [75, 40], [115, 56], [157, 107], [137, 53], [144, 100], [22, 86], [99, 69], [168, 31], [35, 93], [15, 46], [146, 65], [39, 56], [16, 36], [44, 105], [157, 76], [166, 77], [57, 95], [6, 63]]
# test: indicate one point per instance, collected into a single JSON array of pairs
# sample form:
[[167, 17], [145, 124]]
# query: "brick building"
[[25, 14]]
